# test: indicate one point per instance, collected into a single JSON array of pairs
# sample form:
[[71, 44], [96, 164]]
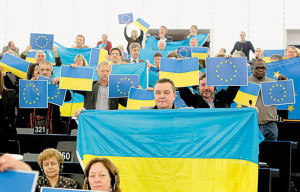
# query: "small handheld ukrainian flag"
[[278, 92], [125, 18], [97, 56], [269, 53], [184, 51], [15, 65], [140, 98], [142, 24], [33, 94], [200, 52], [55, 94], [183, 73], [226, 72], [247, 93], [41, 41], [79, 78], [119, 85], [31, 57]]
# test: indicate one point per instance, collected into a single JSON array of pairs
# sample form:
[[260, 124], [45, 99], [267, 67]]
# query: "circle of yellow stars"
[[57, 93], [218, 68], [126, 20], [41, 36], [274, 87], [118, 86], [31, 87], [181, 50]]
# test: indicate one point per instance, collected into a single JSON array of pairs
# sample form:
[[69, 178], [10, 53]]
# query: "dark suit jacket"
[[169, 38], [129, 60], [90, 98], [57, 59], [223, 98]]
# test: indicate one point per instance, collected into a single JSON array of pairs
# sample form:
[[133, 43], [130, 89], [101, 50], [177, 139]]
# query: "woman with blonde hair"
[[79, 61], [101, 175], [292, 52]]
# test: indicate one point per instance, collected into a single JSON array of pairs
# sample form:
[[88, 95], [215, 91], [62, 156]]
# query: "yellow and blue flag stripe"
[[183, 73], [97, 56], [80, 78], [143, 25], [140, 98], [200, 52], [269, 53], [247, 93], [15, 65], [175, 150]]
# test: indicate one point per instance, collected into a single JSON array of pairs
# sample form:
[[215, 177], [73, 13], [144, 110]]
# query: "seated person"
[[193, 32], [105, 44], [157, 56], [80, 40], [161, 44], [40, 56], [101, 175], [292, 52], [208, 98], [116, 56], [79, 61], [194, 42], [10, 48], [163, 35], [173, 55], [276, 57], [51, 163], [164, 94]]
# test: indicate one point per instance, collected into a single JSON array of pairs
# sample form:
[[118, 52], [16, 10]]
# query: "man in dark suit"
[[98, 97], [134, 52], [163, 35]]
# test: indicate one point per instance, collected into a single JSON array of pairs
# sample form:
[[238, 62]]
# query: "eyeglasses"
[[78, 60], [258, 68]]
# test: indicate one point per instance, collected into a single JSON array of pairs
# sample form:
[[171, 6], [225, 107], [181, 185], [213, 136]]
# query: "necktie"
[[134, 61]]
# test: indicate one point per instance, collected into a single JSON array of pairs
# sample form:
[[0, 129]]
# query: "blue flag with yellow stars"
[[278, 92], [184, 51], [33, 94], [226, 71], [41, 41], [56, 95], [179, 103], [125, 18], [119, 85]]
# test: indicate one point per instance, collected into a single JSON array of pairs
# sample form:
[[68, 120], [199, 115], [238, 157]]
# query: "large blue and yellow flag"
[[125, 18], [148, 54], [278, 92], [143, 25], [140, 69], [119, 85], [79, 78], [56, 95], [247, 93], [182, 72], [140, 98], [184, 51], [33, 94], [175, 150], [151, 42], [41, 41], [226, 71], [269, 53], [200, 52], [97, 56], [31, 57], [15, 65]]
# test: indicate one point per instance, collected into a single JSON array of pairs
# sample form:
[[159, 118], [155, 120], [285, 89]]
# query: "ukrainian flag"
[[140, 98], [15, 65], [175, 150], [142, 24], [200, 52], [182, 72], [79, 78], [269, 53], [31, 57], [97, 56], [247, 93]]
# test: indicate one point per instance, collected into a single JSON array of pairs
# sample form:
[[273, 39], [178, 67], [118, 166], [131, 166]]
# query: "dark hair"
[[82, 37], [115, 48], [157, 54], [165, 28], [173, 54], [258, 60], [202, 76], [31, 70], [165, 80], [112, 169], [195, 26]]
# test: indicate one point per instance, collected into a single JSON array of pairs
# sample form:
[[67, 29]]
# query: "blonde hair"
[[79, 56]]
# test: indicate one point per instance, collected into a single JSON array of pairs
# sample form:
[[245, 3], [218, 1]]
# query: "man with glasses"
[[267, 114]]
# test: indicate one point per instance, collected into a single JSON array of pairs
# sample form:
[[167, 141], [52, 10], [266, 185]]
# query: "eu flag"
[[55, 94], [125, 18], [278, 92], [143, 25], [184, 51], [119, 85], [140, 98], [227, 72], [183, 73], [41, 41], [125, 55], [179, 103], [33, 94]]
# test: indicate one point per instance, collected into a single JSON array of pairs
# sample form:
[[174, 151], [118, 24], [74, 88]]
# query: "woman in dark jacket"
[[134, 37]]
